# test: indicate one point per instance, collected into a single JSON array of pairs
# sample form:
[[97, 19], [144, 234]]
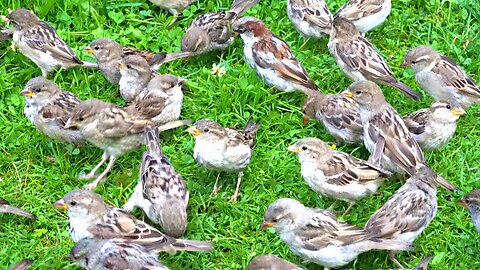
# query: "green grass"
[[37, 171]]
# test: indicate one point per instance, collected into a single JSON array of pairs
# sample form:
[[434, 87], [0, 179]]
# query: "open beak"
[[347, 94], [265, 225], [27, 92], [305, 119], [88, 49], [121, 65], [194, 131], [61, 204], [458, 111], [404, 64], [293, 149]]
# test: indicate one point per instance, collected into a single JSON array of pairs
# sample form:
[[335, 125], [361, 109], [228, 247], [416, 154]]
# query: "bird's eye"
[[37, 90], [413, 62], [81, 118], [304, 148], [206, 130], [241, 30], [467, 200], [274, 220], [96, 48], [449, 107], [73, 203], [129, 66], [358, 92]]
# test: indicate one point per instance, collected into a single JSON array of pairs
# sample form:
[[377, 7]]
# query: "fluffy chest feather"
[[220, 157]]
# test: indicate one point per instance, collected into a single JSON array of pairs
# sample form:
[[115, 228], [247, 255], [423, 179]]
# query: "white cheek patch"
[[424, 57]]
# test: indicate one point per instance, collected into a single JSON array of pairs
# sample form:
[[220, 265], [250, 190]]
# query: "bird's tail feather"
[[388, 245], [241, 6], [156, 63], [89, 65], [5, 207], [193, 245], [406, 90], [173, 124], [24, 264], [446, 184], [152, 140]]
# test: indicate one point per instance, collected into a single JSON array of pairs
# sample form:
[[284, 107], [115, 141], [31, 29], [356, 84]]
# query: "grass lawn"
[[36, 171]]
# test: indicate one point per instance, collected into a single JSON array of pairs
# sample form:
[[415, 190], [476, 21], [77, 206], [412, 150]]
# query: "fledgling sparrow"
[[338, 114], [91, 217], [336, 174], [386, 136], [223, 149], [441, 77], [111, 129], [161, 192], [213, 31], [96, 254], [22, 265], [173, 6], [472, 202], [5, 207], [271, 262], [432, 128], [365, 14], [271, 57], [48, 108], [423, 265], [317, 236], [311, 18], [108, 53], [359, 59], [39, 42], [408, 211]]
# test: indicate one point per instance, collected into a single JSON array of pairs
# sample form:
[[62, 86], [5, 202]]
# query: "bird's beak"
[[293, 149], [404, 64], [61, 204], [88, 49], [121, 65], [181, 81], [463, 202], [347, 94], [305, 119], [194, 131], [458, 111], [27, 92], [6, 20], [265, 225]]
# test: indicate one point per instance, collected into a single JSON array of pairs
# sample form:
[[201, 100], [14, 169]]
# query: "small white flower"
[[218, 70]]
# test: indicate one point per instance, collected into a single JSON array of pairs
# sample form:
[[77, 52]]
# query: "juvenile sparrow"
[[108, 53], [472, 202], [359, 59], [432, 128], [96, 254], [24, 264], [91, 217], [441, 77], [386, 136], [223, 149], [39, 42], [213, 31], [311, 18], [48, 108], [423, 264], [365, 14], [339, 115], [336, 174], [5, 207], [111, 129], [271, 57], [161, 191], [173, 6], [317, 236], [408, 211], [270, 262]]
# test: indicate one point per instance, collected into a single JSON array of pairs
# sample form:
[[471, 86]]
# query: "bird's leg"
[[103, 176], [391, 255], [349, 208], [235, 195], [332, 206], [94, 171], [215, 188]]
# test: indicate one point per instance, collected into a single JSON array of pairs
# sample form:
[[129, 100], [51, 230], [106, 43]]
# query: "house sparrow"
[[212, 31], [365, 14], [48, 108], [386, 136], [38, 41], [175, 7], [111, 129], [91, 217], [223, 149], [96, 254], [5, 207], [311, 18], [432, 128], [441, 77], [317, 236], [271, 57], [423, 264], [270, 262], [472, 202], [339, 115], [108, 53], [161, 192], [359, 59], [24, 264], [408, 211], [336, 174]]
